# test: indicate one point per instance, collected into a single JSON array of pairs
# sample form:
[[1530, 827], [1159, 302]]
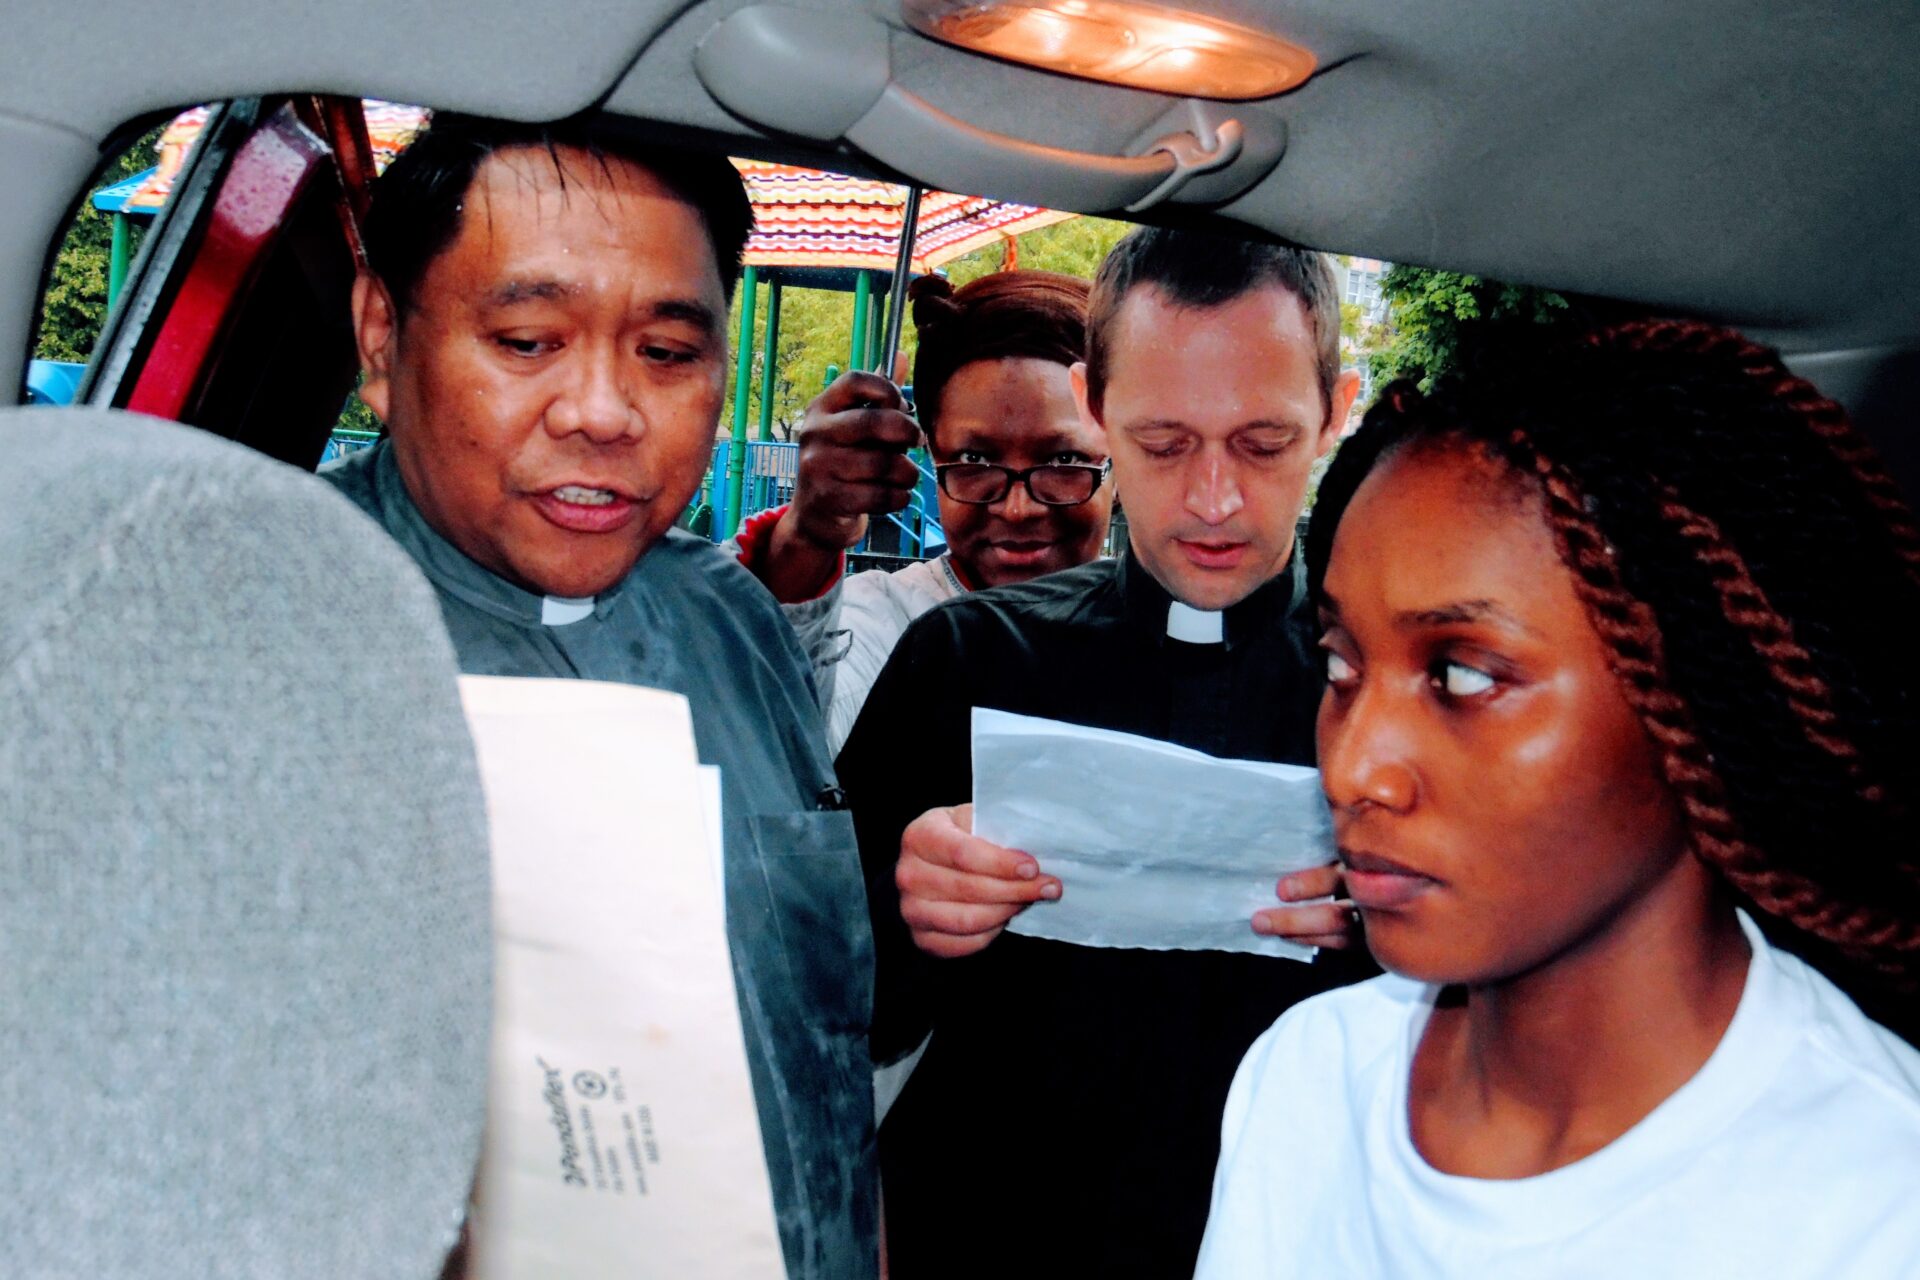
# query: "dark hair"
[[1196, 270], [418, 201], [1754, 574], [1038, 315]]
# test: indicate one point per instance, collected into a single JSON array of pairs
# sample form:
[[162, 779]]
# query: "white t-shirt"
[[1793, 1152]]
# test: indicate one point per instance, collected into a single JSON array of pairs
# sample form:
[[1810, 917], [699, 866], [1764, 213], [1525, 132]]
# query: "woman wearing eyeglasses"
[[1023, 487], [1023, 483], [1021, 476]]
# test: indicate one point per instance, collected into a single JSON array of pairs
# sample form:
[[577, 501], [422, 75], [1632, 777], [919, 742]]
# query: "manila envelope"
[[622, 1138]]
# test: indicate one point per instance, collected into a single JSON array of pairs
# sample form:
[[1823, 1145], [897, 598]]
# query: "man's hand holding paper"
[[1157, 846], [959, 889], [1318, 922]]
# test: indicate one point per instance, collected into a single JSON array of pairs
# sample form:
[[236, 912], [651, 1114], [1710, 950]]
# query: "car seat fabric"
[[245, 958]]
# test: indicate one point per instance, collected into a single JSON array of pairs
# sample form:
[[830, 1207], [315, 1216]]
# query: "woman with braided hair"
[[1621, 704]]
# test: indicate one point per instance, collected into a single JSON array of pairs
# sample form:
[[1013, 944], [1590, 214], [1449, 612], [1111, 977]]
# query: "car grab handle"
[[829, 77], [902, 128]]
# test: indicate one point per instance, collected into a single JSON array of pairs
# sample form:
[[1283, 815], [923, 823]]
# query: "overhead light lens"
[[1137, 45]]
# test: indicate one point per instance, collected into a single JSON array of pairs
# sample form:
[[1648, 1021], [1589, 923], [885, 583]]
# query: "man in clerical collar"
[[542, 328], [1078, 1090]]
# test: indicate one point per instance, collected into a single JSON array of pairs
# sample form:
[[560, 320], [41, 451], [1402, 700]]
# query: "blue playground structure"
[[767, 481], [53, 381]]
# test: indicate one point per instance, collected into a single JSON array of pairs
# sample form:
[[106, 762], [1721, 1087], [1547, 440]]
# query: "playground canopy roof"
[[812, 218]]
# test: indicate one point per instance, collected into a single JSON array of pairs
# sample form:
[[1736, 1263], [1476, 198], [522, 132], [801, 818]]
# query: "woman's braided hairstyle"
[[1756, 576]]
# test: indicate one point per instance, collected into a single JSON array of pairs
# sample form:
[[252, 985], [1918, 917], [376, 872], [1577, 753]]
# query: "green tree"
[[355, 416], [1429, 312], [1075, 247], [75, 306]]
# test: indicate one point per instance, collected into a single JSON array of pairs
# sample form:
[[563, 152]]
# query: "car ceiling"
[[1754, 162]]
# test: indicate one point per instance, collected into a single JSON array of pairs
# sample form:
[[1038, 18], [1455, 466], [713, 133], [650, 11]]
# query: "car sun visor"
[[829, 77]]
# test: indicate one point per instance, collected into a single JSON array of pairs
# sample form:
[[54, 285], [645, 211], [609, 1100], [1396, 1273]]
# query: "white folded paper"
[[622, 1138], [1156, 846]]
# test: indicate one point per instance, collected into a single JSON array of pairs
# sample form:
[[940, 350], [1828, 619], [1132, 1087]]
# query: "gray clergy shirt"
[[689, 619]]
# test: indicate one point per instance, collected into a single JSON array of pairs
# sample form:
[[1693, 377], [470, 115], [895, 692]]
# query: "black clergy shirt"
[[1065, 1119]]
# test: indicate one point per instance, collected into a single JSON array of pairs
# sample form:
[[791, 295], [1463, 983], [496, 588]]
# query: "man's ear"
[[376, 332], [1077, 378], [1340, 403]]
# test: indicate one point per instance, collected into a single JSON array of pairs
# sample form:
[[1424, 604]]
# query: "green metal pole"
[[117, 258], [862, 288], [742, 390], [769, 367], [833, 371], [877, 334]]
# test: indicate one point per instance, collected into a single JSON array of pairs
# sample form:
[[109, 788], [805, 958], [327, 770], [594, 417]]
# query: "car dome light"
[[1137, 45]]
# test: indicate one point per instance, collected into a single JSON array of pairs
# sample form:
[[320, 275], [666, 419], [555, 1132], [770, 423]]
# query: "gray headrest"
[[244, 893]]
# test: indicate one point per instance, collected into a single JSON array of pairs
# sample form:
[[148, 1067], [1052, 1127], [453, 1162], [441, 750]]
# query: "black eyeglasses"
[[1057, 484]]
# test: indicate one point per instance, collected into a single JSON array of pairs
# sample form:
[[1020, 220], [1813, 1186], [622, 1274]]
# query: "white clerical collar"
[[1195, 626], [558, 611]]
